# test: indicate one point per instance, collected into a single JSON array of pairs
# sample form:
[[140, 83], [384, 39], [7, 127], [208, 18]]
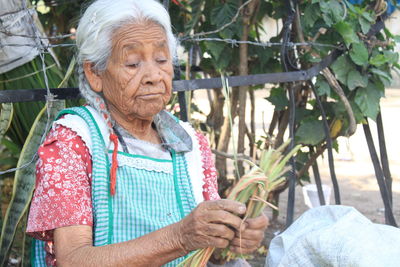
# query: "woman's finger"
[[260, 222], [227, 205], [218, 230], [226, 218], [250, 234]]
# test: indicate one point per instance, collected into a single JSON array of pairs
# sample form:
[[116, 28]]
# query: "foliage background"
[[350, 89]]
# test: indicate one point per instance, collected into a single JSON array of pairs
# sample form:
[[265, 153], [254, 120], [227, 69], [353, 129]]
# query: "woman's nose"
[[152, 74]]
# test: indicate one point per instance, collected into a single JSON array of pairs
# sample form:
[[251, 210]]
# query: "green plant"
[[252, 189], [350, 89]]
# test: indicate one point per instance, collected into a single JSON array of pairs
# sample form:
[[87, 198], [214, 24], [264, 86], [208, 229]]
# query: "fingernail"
[[242, 209]]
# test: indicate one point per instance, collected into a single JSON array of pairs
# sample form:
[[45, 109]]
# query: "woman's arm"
[[212, 223], [73, 247]]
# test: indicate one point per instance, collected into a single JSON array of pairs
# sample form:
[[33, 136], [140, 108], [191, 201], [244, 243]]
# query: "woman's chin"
[[147, 114]]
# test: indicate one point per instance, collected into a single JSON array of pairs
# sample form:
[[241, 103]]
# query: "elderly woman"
[[121, 182]]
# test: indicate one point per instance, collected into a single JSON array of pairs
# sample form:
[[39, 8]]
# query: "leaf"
[[11, 146], [359, 54], [24, 180], [311, 15], [368, 17], [347, 32], [27, 251], [221, 54], [215, 48], [383, 76], [68, 73], [365, 25], [396, 38], [378, 60], [355, 79], [8, 161], [336, 9], [380, 73], [328, 20], [6, 115], [368, 99], [391, 56], [223, 13], [278, 98], [196, 13], [322, 87], [341, 67], [310, 133]]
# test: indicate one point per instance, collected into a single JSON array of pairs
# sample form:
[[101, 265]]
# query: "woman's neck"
[[139, 128]]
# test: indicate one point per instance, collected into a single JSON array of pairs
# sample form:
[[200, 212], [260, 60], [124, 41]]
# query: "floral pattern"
[[210, 185], [62, 196]]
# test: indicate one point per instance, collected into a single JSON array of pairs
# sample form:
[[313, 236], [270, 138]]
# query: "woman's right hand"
[[211, 224]]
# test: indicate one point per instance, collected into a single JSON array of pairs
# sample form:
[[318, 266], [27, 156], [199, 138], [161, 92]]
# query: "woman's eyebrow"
[[160, 44], [132, 46]]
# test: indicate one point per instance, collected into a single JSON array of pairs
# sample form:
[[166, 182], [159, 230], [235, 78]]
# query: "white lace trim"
[[145, 164], [195, 164]]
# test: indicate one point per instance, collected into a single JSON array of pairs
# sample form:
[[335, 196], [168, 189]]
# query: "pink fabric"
[[210, 186], [63, 185]]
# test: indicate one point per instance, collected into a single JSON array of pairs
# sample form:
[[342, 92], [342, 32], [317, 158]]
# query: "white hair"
[[95, 31]]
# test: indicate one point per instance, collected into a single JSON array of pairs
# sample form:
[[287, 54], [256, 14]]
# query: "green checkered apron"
[[150, 193]]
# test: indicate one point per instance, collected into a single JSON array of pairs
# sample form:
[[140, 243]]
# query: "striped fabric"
[[146, 199]]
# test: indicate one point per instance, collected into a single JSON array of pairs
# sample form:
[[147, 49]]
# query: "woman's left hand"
[[249, 239]]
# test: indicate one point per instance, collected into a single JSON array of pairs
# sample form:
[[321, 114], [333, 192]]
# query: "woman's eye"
[[133, 65], [161, 60]]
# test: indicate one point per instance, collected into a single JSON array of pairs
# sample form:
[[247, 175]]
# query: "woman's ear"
[[93, 77]]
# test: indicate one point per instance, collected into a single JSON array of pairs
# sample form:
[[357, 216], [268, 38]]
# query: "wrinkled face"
[[137, 82]]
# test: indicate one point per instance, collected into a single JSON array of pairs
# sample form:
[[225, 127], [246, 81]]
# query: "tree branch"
[[339, 90]]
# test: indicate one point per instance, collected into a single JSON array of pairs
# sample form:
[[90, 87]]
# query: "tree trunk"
[[216, 117], [223, 144], [244, 70], [252, 140]]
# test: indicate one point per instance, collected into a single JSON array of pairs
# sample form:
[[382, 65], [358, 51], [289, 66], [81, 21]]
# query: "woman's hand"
[[249, 239], [212, 224]]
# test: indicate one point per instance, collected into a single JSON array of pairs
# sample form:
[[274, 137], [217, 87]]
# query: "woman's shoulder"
[[84, 121]]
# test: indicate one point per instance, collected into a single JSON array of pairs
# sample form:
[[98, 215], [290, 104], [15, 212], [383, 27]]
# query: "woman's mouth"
[[149, 96]]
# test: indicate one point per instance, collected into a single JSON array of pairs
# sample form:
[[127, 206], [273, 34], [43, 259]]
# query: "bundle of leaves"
[[252, 190]]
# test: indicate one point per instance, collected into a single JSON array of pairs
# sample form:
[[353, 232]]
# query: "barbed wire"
[[63, 36], [235, 42], [14, 12], [45, 46]]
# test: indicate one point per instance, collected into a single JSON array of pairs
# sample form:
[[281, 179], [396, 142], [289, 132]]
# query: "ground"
[[353, 167]]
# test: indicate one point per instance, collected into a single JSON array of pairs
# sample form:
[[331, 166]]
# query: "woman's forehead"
[[136, 35]]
